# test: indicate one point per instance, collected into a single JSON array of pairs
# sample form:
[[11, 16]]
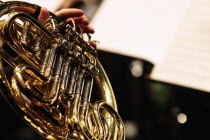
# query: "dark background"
[[154, 106]]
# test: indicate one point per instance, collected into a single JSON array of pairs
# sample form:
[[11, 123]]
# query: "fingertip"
[[80, 11], [94, 44], [91, 29], [43, 16], [44, 11]]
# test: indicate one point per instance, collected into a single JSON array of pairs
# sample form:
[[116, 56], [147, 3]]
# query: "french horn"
[[51, 76]]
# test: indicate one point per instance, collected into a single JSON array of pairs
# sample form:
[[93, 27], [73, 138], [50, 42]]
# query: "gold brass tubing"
[[74, 117], [18, 75], [54, 72], [3, 77], [50, 61], [27, 86], [72, 81], [84, 107], [107, 95], [45, 60], [8, 58], [40, 123], [8, 31], [24, 36], [99, 122], [17, 5], [37, 46], [65, 75], [51, 96], [101, 104]]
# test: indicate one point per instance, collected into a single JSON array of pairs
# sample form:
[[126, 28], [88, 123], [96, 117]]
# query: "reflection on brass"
[[47, 74]]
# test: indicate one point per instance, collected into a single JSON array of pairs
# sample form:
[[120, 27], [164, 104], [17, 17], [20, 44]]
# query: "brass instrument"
[[47, 74]]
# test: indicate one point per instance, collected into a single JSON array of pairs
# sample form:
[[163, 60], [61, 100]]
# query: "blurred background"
[[159, 98]]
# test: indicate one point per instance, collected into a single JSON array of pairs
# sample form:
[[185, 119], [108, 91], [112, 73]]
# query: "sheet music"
[[187, 62], [138, 28]]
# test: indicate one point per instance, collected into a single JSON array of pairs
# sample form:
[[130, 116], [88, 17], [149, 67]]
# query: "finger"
[[43, 16], [87, 28], [93, 43], [64, 14], [79, 20]]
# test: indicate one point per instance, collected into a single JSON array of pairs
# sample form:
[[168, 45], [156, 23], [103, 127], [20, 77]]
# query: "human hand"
[[67, 15]]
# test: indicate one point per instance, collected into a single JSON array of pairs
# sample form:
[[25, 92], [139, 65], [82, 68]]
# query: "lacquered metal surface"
[[47, 74]]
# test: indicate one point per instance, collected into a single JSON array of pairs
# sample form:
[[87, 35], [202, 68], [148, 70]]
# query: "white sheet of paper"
[[187, 62], [138, 28]]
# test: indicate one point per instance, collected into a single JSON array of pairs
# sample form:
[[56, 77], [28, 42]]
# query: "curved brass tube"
[[53, 76]]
